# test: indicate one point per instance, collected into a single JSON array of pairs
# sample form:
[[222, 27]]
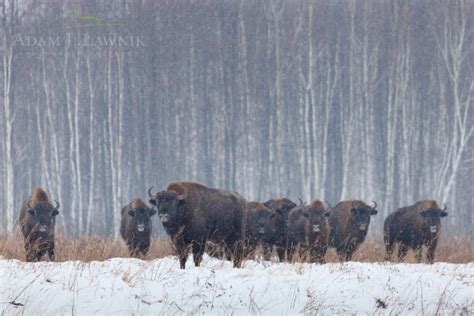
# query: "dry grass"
[[91, 248], [450, 249]]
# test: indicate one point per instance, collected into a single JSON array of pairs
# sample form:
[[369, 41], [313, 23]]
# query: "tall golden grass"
[[87, 248], [98, 248]]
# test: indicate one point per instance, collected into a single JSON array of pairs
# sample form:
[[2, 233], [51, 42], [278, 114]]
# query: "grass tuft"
[[98, 248]]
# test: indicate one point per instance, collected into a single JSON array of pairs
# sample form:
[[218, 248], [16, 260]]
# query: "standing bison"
[[261, 228], [281, 207], [37, 221], [192, 214], [349, 222], [135, 227], [412, 227], [308, 231]]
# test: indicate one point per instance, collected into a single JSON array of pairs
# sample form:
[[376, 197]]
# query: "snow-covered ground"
[[130, 286]]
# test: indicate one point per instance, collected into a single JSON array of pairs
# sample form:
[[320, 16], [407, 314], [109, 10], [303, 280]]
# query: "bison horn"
[[29, 205], [445, 207], [301, 202], [149, 192], [57, 204], [375, 205]]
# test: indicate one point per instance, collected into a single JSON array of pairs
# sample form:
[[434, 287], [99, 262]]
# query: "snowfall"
[[122, 286]]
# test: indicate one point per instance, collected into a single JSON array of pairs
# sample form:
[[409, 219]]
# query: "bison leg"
[[227, 253], [31, 256], [51, 253], [388, 248], [402, 251], [345, 253], [198, 251], [349, 254], [430, 254], [341, 253], [183, 256], [133, 251], [30, 251], [303, 253], [291, 251], [182, 250], [250, 248], [317, 255], [267, 251], [238, 253], [280, 252], [418, 251]]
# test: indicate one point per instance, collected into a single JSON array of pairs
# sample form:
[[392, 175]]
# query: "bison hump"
[[39, 195], [426, 204], [138, 203]]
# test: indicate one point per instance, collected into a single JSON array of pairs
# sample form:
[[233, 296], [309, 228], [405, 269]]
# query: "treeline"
[[328, 99]]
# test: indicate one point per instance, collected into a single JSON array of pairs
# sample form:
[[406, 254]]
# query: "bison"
[[412, 227], [262, 226], [349, 222], [37, 221], [192, 214], [135, 227], [281, 208], [308, 231]]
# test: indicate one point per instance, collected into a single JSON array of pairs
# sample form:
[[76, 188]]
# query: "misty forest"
[[369, 100]]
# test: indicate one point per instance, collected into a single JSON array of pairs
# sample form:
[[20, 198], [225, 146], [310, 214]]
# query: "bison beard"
[[413, 227], [193, 214], [349, 222], [135, 227], [37, 221]]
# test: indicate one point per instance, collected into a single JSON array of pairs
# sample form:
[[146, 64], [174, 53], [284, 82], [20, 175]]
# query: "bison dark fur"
[[308, 231], [37, 221], [260, 229], [413, 227], [281, 205], [349, 222], [281, 208], [192, 214], [136, 227]]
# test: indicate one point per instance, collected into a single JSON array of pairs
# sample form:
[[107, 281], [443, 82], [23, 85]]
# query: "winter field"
[[123, 286], [94, 277]]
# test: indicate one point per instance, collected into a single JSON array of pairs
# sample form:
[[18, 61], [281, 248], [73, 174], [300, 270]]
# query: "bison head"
[[167, 204], [260, 219], [432, 218], [42, 214], [361, 215], [281, 206], [141, 218], [316, 218]]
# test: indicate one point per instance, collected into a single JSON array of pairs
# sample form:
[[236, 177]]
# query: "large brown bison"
[[281, 208], [412, 227], [135, 227], [192, 214], [308, 231], [349, 222], [37, 221], [260, 228]]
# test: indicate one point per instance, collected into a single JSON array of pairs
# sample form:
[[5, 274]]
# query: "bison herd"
[[195, 216]]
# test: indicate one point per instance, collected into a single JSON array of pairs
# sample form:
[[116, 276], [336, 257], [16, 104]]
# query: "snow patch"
[[130, 286]]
